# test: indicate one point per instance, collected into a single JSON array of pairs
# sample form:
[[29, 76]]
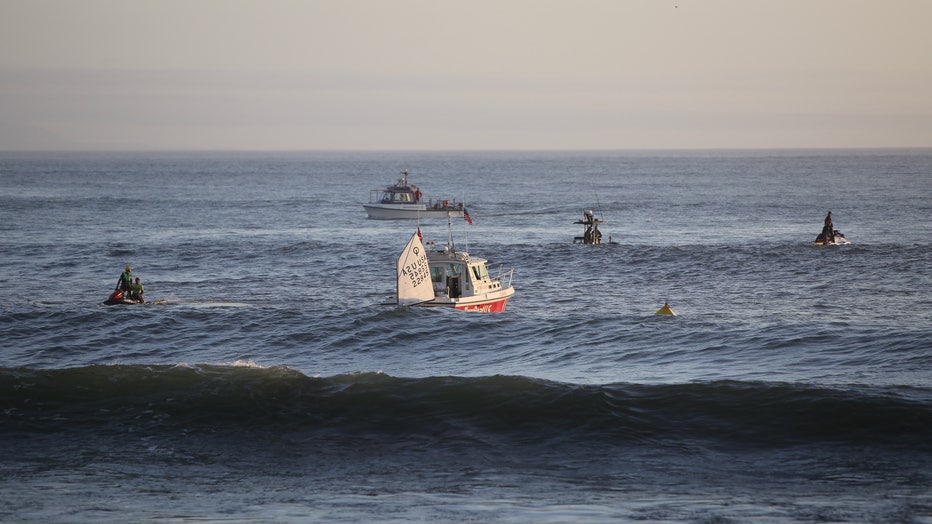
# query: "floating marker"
[[665, 310]]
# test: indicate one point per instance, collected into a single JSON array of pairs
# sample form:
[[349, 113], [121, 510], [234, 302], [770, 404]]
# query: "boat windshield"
[[480, 272], [399, 198], [437, 273]]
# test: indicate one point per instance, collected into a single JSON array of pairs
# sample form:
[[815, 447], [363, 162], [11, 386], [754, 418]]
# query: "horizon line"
[[475, 150]]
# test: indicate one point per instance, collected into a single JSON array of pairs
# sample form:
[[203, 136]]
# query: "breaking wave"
[[245, 397]]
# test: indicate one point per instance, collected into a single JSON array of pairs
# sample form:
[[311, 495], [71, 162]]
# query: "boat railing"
[[503, 275]]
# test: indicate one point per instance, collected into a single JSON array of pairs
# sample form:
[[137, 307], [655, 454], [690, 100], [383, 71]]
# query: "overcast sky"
[[476, 74]]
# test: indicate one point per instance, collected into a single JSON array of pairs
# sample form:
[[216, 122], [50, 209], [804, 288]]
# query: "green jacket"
[[126, 281]]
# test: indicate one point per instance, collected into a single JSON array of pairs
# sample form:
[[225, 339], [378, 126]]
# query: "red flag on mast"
[[466, 216]]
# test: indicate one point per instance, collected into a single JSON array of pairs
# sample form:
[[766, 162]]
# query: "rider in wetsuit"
[[828, 231]]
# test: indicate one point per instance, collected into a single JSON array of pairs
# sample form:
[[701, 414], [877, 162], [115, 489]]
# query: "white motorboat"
[[404, 201]]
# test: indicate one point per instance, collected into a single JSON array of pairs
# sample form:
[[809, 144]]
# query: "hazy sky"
[[477, 74]]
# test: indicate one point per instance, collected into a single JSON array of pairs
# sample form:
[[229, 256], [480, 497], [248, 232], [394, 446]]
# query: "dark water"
[[273, 384]]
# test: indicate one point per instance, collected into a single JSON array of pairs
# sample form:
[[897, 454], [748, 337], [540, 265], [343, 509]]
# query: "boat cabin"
[[397, 195], [455, 274], [400, 193]]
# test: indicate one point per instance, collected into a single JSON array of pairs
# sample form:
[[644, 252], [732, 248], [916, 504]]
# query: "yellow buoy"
[[665, 310]]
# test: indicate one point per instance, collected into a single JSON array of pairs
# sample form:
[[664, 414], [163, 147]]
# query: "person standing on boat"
[[136, 290], [828, 231], [592, 234], [125, 283]]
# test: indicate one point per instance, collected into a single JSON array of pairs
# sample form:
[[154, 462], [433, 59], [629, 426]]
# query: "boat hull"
[[487, 303], [408, 212]]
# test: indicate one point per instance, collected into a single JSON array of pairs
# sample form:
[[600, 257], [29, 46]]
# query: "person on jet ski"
[[125, 283], [136, 290], [828, 231]]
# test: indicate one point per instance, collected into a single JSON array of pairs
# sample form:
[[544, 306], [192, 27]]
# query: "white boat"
[[404, 201], [445, 277]]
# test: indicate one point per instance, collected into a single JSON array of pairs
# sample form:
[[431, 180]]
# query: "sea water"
[[271, 380]]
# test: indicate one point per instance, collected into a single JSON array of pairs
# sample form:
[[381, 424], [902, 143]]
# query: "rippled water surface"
[[272, 381]]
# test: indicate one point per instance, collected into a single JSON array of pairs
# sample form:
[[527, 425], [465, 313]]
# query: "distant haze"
[[435, 74]]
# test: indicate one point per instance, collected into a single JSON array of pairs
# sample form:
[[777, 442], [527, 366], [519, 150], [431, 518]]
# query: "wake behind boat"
[[404, 201], [449, 278]]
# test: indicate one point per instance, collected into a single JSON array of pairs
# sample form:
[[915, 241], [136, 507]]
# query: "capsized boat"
[[445, 277], [404, 201], [837, 239], [118, 298]]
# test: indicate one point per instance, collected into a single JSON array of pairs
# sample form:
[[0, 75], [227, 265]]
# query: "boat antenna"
[[465, 229], [599, 206], [450, 231]]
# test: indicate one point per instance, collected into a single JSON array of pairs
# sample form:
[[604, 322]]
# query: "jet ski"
[[838, 239], [118, 297]]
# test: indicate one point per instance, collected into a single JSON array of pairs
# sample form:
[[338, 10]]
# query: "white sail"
[[414, 285]]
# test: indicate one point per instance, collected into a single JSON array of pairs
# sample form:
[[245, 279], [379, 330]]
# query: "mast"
[[450, 231]]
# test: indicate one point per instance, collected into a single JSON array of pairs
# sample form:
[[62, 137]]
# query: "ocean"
[[272, 380]]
